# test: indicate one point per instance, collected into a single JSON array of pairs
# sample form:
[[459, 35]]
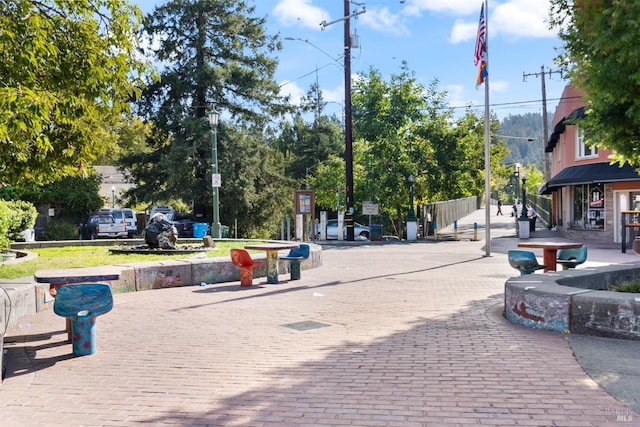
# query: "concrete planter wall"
[[576, 301]]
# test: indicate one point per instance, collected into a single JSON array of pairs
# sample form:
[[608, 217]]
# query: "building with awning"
[[588, 192]]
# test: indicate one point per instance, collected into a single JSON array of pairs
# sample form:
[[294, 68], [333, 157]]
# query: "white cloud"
[[383, 20], [498, 86], [299, 12], [522, 18], [513, 19], [462, 31], [458, 7], [291, 89]]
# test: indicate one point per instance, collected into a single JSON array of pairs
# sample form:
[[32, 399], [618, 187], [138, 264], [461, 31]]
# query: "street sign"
[[216, 180], [369, 208]]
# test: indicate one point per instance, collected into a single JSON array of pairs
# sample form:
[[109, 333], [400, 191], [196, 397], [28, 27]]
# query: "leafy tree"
[[403, 128], [601, 54], [73, 198], [214, 53], [64, 66], [306, 145]]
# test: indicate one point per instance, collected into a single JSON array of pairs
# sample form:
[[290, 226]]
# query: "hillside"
[[522, 127]]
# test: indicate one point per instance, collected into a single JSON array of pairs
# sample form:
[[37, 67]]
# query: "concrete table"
[[272, 257], [549, 251]]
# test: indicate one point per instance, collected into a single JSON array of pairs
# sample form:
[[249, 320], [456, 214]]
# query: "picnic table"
[[272, 256], [549, 251]]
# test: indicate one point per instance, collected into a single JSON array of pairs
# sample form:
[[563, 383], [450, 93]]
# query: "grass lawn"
[[93, 256]]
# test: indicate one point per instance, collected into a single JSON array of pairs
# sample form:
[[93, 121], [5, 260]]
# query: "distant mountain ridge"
[[527, 125]]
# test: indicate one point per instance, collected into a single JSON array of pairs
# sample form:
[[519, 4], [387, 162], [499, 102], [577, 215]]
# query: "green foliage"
[[214, 54], [632, 287], [523, 127], [403, 128], [601, 54], [73, 198], [15, 216], [60, 229], [64, 66]]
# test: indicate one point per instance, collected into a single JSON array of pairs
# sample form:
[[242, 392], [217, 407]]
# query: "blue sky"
[[435, 37]]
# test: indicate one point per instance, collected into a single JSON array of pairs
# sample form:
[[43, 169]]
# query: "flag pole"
[[487, 142]]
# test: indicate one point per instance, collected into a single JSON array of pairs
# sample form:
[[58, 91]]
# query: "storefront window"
[[588, 207]]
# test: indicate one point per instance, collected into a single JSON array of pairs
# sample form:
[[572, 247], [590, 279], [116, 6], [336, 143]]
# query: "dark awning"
[[559, 128], [590, 174], [555, 136]]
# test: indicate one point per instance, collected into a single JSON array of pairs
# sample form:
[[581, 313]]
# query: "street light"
[[215, 176], [526, 138], [412, 215], [523, 213]]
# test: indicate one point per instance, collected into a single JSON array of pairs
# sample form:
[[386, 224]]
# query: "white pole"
[[487, 142]]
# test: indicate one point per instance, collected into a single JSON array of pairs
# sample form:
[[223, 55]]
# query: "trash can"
[[224, 232], [375, 232], [200, 230], [532, 223]]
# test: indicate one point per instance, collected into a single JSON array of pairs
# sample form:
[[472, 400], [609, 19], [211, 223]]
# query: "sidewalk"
[[383, 334]]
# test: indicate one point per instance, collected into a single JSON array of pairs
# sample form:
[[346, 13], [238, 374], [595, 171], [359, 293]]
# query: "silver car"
[[359, 230]]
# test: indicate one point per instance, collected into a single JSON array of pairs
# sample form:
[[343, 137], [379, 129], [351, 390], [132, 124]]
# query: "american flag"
[[481, 51]]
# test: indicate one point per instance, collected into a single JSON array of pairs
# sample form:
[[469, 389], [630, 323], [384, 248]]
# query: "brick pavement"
[[401, 334]]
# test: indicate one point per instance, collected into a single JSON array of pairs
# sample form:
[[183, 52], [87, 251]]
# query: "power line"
[[515, 103]]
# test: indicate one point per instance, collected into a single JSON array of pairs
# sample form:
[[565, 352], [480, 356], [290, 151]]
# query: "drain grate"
[[306, 325]]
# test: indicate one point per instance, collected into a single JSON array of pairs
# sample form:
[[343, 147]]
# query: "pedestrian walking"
[[499, 207]]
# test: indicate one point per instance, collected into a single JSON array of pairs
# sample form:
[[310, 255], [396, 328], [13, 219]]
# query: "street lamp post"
[[412, 223], [215, 176], [523, 221], [523, 213], [412, 216]]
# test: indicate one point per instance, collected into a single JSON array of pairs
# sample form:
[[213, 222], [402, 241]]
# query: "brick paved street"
[[402, 334]]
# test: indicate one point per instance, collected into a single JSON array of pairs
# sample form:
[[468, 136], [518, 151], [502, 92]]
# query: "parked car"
[[359, 230], [102, 226], [118, 214], [165, 209], [184, 227], [132, 222]]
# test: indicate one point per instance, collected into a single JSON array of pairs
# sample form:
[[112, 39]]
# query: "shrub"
[[632, 287], [15, 217], [60, 230]]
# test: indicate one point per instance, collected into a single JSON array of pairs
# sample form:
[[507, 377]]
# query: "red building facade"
[[588, 193]]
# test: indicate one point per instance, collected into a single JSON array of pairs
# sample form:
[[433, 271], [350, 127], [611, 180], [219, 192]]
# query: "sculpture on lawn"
[[160, 233]]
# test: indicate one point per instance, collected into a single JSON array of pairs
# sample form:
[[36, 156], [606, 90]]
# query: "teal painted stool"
[[295, 258], [81, 304], [524, 261]]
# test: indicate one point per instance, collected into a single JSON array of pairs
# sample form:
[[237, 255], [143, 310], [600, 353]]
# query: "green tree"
[[64, 66], [600, 54], [306, 145], [403, 128], [73, 197], [214, 54]]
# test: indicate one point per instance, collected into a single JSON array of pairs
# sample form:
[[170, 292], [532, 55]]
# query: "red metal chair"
[[242, 259]]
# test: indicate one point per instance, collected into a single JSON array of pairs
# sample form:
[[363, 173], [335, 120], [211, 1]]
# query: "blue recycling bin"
[[200, 230]]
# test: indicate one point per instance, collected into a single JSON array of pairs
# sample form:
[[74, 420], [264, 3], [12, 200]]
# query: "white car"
[[132, 222], [359, 230]]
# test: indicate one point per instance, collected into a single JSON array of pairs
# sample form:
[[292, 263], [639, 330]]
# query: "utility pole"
[[348, 133], [545, 125]]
